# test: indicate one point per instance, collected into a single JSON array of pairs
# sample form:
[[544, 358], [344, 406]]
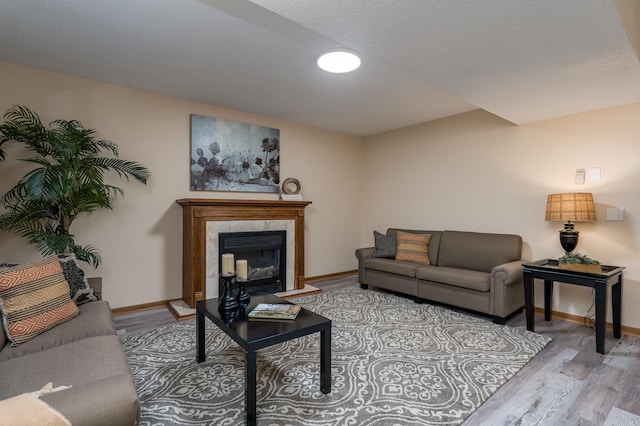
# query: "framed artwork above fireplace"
[[233, 156]]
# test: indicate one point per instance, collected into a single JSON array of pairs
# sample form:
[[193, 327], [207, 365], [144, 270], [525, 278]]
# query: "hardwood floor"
[[568, 383], [143, 320]]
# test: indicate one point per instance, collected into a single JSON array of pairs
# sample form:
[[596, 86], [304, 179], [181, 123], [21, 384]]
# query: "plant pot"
[[581, 267]]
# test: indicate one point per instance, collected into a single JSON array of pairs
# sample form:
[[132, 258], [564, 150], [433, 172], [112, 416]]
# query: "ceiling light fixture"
[[339, 61]]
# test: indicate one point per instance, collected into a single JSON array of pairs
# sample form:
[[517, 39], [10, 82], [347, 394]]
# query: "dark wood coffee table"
[[253, 335]]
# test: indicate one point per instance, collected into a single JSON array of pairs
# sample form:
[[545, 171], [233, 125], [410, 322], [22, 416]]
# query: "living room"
[[472, 171]]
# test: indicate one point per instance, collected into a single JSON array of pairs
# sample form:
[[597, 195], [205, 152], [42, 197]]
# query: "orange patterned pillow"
[[34, 298], [413, 247]]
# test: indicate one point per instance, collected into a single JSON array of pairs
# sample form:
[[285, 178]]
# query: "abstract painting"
[[233, 156]]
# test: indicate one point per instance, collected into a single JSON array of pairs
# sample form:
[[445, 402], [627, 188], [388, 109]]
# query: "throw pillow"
[[80, 290], [34, 298], [386, 245], [413, 247]]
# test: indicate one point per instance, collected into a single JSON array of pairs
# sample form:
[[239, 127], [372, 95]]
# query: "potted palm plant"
[[67, 180]]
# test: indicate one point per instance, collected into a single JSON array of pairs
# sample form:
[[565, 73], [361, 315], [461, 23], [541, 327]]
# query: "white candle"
[[241, 267], [227, 263]]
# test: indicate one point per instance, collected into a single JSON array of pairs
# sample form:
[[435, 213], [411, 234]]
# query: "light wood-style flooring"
[[568, 383]]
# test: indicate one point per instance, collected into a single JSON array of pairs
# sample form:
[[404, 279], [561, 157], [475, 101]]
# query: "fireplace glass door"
[[265, 252]]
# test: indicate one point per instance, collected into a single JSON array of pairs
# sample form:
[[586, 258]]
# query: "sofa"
[[481, 272], [84, 354]]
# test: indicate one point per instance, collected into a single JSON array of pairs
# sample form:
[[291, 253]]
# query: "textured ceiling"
[[521, 60]]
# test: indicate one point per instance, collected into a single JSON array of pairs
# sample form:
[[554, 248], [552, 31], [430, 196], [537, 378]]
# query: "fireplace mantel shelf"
[[212, 202], [196, 212]]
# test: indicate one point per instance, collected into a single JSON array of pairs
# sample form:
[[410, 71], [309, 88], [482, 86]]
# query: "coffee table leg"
[[325, 360], [250, 387], [200, 349]]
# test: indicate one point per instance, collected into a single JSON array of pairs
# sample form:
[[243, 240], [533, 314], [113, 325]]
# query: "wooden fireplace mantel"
[[196, 212]]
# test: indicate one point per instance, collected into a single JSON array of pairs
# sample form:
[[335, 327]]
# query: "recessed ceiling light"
[[339, 61]]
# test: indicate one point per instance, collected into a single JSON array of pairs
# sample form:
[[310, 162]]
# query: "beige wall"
[[470, 172], [476, 172], [141, 239]]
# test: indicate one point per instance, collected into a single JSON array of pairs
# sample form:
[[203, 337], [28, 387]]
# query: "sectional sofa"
[[477, 271], [84, 358]]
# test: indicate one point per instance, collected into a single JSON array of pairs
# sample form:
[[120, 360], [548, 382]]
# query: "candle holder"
[[242, 297], [227, 305]]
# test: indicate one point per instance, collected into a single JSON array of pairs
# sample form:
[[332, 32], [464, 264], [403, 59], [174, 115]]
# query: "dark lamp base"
[[569, 238]]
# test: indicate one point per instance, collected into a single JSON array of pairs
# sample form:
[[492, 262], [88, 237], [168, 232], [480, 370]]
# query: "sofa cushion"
[[94, 320], [97, 371], [386, 245], [407, 269], [104, 402], [79, 288], [478, 251], [413, 247], [434, 244], [465, 278], [34, 298]]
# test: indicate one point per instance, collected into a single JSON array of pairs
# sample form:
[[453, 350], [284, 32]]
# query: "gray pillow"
[[386, 245], [79, 288]]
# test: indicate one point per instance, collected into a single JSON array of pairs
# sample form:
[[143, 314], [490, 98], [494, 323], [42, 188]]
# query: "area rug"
[[394, 362]]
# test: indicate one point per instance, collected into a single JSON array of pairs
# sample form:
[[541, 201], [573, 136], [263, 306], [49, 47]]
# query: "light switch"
[[615, 214]]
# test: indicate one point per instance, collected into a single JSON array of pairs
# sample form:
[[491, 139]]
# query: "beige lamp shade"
[[571, 207]]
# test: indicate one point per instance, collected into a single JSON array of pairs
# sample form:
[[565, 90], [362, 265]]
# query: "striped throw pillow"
[[34, 298], [413, 247]]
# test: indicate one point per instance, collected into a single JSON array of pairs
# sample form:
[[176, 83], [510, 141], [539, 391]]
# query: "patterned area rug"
[[394, 362]]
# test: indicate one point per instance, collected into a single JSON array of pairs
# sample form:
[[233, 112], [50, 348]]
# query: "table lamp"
[[570, 207]]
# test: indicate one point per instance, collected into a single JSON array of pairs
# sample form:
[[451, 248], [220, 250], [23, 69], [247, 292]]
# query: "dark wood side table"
[[549, 271], [253, 335]]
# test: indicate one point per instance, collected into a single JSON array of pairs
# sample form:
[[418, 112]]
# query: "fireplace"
[[204, 218], [265, 252]]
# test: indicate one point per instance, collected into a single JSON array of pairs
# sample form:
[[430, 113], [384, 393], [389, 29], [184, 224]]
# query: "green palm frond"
[[124, 168], [67, 180]]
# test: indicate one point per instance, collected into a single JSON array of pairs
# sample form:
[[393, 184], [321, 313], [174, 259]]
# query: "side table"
[[550, 271]]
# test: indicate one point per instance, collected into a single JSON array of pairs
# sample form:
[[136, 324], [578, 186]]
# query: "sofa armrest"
[[363, 254], [507, 290], [507, 273], [96, 284]]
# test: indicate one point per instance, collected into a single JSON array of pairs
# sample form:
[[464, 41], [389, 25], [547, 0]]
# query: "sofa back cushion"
[[478, 251], [434, 244], [34, 298]]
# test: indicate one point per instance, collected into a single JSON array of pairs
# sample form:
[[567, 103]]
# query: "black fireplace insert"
[[265, 252]]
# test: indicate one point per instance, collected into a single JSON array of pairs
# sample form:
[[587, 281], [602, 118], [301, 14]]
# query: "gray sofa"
[[471, 270], [84, 353]]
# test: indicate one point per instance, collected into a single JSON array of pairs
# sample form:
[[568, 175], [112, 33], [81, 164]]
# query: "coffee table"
[[252, 335]]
